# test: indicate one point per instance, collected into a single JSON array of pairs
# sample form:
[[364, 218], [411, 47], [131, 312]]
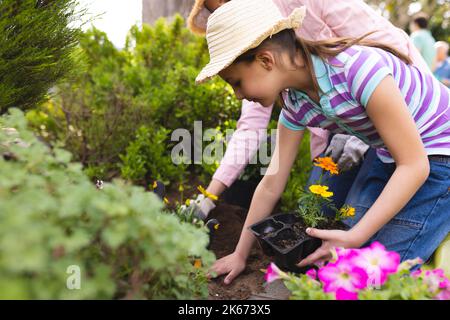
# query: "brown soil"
[[299, 229], [223, 242], [299, 233], [333, 225], [286, 243]]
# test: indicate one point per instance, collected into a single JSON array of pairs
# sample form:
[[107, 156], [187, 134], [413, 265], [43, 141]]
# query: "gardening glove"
[[201, 206], [346, 150], [159, 189]]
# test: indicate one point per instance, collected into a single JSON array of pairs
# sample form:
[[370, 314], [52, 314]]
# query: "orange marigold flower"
[[327, 164], [197, 263]]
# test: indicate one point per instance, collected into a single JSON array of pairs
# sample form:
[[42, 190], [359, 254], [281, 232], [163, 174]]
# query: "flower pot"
[[283, 237]]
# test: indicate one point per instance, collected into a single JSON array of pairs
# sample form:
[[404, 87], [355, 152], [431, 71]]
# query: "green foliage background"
[[53, 217], [93, 111]]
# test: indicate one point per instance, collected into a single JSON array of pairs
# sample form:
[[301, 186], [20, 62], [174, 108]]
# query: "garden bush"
[[149, 86], [149, 153], [299, 176], [53, 218], [148, 83], [37, 49]]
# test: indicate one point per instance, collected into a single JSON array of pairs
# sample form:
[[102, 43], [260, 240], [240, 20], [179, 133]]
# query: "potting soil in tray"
[[283, 236]]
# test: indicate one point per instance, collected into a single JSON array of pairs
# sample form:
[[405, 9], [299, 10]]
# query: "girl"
[[325, 19], [355, 86]]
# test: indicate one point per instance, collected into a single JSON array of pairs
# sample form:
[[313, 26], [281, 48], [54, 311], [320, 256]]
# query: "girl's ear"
[[266, 60]]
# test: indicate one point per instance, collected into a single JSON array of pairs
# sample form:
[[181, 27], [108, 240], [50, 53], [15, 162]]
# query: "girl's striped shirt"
[[347, 82]]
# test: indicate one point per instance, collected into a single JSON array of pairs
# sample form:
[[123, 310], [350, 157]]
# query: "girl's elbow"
[[422, 168], [425, 169], [418, 168]]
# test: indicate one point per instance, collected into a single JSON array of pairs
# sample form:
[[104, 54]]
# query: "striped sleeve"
[[364, 72], [286, 120]]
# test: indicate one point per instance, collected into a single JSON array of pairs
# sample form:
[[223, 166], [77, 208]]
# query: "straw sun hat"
[[241, 25], [198, 17]]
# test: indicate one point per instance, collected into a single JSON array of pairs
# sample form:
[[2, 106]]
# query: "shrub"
[[52, 217], [36, 49], [147, 158], [298, 177], [149, 83]]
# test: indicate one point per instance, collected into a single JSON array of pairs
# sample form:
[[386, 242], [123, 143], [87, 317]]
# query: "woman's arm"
[[387, 110], [266, 196], [243, 145], [354, 18]]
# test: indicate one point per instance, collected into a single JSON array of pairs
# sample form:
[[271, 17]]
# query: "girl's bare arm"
[[272, 185], [394, 123]]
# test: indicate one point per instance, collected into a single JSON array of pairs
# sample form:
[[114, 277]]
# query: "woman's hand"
[[232, 265], [330, 239]]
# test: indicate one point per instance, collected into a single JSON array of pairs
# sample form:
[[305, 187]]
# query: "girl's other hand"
[[330, 239], [232, 265]]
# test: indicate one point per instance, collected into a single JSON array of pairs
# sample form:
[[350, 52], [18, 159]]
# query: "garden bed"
[[249, 282], [223, 242]]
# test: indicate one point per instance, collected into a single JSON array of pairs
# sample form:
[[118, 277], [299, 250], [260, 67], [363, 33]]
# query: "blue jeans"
[[419, 228]]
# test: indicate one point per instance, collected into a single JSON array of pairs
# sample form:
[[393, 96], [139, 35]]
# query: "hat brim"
[[198, 18], [293, 21]]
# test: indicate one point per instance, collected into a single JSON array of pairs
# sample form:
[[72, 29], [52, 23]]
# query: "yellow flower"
[[321, 190], [166, 201], [197, 263], [207, 194], [347, 211], [327, 164], [188, 202], [181, 188], [155, 184]]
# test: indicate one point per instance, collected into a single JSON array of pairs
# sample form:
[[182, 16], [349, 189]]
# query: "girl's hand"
[[232, 264], [330, 239]]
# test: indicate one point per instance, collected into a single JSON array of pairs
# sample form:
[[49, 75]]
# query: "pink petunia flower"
[[339, 253], [409, 264], [376, 261], [417, 273], [436, 280], [273, 273], [443, 294], [312, 273], [342, 276], [342, 294]]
